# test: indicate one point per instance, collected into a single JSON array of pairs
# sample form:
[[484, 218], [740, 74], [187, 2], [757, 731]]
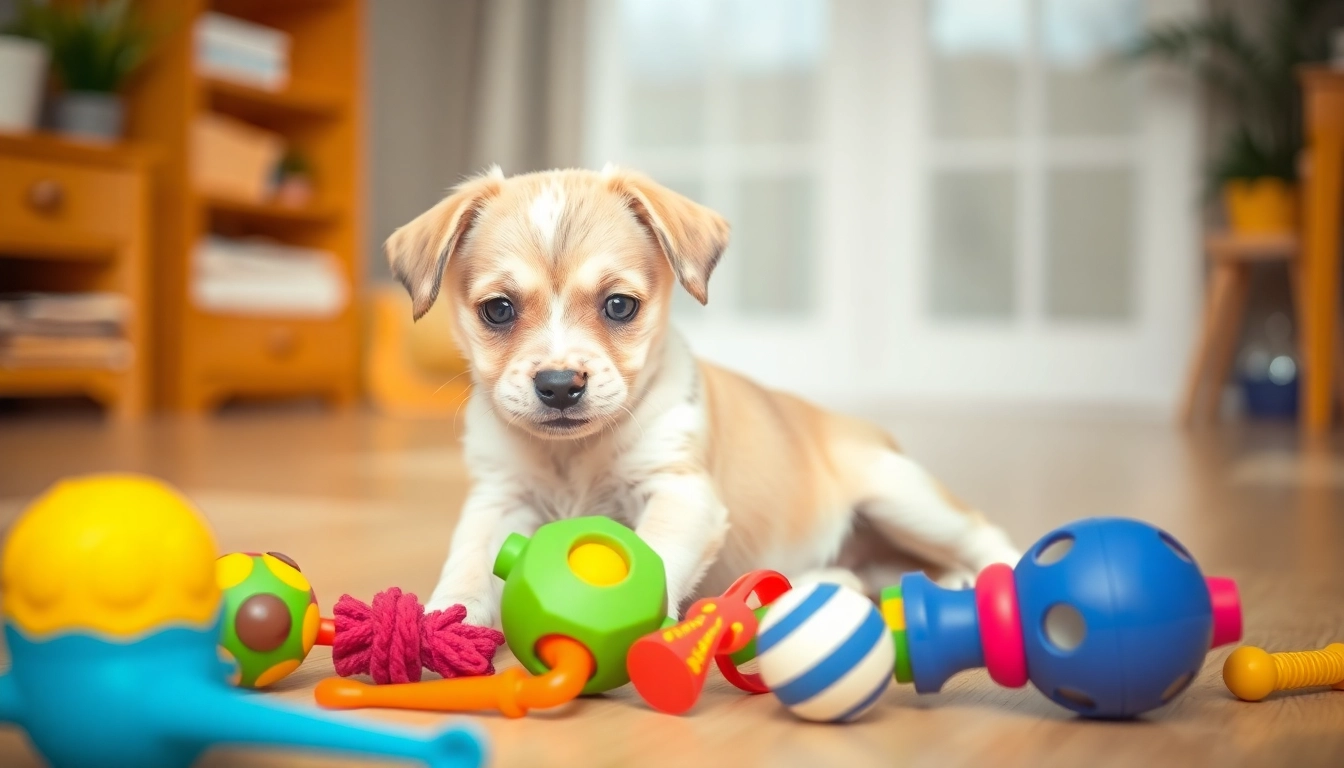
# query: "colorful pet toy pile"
[[122, 624]]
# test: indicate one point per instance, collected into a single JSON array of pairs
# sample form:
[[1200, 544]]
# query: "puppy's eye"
[[498, 312], [621, 308]]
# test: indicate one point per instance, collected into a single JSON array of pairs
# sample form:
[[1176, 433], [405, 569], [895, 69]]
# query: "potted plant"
[[293, 180], [1250, 72], [95, 47], [24, 61]]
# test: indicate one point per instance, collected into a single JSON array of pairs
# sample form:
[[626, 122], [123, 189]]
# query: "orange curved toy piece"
[[513, 692]]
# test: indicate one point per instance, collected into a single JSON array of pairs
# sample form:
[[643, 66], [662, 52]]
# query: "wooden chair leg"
[[1194, 377], [1339, 367], [1216, 297], [1224, 345], [1295, 287], [1295, 298]]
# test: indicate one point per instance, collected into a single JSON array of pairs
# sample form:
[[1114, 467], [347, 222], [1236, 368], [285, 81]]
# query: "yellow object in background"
[[413, 368], [1264, 206], [114, 554]]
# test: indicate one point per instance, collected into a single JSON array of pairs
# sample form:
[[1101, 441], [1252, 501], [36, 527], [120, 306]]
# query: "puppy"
[[586, 402]]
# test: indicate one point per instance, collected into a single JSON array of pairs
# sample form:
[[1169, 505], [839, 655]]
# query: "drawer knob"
[[46, 196], [282, 342]]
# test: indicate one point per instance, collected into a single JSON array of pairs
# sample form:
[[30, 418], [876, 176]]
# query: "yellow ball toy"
[[117, 554]]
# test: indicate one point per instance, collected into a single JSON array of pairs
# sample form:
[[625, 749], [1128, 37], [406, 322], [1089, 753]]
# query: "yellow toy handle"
[[1251, 674], [513, 692]]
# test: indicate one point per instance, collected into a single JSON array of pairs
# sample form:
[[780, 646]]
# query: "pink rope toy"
[[393, 640]]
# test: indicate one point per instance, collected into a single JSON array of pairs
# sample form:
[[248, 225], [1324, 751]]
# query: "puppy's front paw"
[[481, 611]]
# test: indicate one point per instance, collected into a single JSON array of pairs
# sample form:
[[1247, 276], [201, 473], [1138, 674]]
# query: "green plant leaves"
[[1252, 73], [94, 47]]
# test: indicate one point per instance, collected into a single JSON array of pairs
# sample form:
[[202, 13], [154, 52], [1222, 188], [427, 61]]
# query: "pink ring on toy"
[[1001, 626], [1226, 610]]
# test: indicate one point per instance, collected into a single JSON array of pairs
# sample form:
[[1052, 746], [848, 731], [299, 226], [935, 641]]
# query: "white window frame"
[[869, 335], [798, 351], [1030, 357]]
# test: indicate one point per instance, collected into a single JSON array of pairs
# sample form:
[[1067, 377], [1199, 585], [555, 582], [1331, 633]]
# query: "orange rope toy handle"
[[513, 692]]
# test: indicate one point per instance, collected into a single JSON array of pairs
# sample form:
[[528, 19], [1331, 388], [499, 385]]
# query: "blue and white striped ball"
[[825, 652]]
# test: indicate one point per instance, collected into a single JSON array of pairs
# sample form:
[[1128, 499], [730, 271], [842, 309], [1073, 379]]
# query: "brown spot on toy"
[[286, 559], [263, 622]]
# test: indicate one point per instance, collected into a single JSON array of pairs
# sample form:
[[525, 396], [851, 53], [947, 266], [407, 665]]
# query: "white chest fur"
[[607, 474]]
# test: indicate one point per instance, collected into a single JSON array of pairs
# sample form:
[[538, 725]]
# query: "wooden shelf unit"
[[207, 358], [266, 107], [88, 231], [270, 212]]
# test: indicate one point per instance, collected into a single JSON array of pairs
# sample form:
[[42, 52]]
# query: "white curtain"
[[455, 85], [529, 89]]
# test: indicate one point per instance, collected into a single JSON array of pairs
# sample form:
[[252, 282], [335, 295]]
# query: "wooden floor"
[[364, 503]]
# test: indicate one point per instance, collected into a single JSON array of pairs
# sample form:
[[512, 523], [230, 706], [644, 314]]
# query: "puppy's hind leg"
[[909, 508]]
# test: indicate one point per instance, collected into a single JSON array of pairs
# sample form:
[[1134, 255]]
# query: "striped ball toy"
[[825, 652]]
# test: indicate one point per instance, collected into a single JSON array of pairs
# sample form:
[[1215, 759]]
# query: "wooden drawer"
[[255, 349], [51, 203]]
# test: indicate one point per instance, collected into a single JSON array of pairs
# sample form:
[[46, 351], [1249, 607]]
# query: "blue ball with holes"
[[1116, 616], [825, 652]]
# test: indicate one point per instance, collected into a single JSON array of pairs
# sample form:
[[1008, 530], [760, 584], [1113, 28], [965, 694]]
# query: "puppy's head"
[[561, 284]]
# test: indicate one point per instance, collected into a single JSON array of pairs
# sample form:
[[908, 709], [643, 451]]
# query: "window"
[[929, 198], [1034, 145], [720, 100]]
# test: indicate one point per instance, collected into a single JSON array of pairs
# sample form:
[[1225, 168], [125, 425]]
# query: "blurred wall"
[[456, 85], [422, 59]]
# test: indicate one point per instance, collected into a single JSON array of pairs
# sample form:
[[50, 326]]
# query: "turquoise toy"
[[112, 615]]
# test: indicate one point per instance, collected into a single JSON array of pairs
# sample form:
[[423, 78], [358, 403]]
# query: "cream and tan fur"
[[717, 474]]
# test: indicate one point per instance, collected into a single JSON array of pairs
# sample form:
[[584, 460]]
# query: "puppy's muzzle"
[[560, 389]]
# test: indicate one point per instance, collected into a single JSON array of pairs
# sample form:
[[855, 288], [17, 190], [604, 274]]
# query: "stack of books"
[[232, 49], [64, 330], [256, 276]]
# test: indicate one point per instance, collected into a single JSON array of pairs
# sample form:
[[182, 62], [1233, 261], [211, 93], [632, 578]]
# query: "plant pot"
[[88, 115], [24, 64], [294, 192], [1261, 206]]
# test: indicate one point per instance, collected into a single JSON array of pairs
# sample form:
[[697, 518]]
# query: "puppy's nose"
[[560, 389]]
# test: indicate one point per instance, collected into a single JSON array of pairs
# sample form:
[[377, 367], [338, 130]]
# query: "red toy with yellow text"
[[668, 667]]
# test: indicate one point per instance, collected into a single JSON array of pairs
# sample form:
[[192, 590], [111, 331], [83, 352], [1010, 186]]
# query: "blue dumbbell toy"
[[112, 617], [1108, 617]]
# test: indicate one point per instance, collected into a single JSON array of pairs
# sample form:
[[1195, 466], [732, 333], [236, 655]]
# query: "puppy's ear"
[[419, 251], [692, 236]]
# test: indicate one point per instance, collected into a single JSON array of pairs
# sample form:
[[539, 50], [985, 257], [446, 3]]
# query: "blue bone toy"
[[112, 619], [1108, 617]]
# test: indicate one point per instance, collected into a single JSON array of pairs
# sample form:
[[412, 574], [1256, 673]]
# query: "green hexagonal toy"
[[587, 578]]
